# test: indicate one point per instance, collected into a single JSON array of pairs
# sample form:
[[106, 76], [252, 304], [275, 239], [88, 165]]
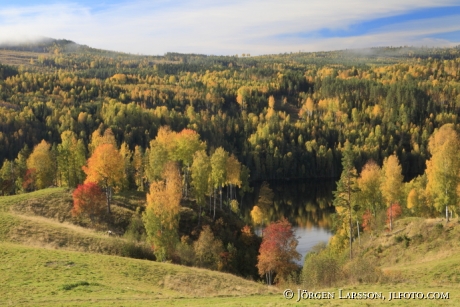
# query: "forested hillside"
[[283, 116]]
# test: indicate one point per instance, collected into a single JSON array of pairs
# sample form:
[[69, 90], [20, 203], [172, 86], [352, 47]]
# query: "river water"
[[307, 205]]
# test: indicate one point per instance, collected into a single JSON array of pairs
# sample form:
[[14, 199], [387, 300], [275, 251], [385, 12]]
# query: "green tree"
[[208, 249], [71, 157], [219, 172], [21, 166], [201, 171], [139, 167], [187, 144], [244, 178], [8, 176], [346, 188], [127, 156]]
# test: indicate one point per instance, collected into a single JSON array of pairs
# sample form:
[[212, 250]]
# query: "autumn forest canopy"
[[283, 116], [203, 128]]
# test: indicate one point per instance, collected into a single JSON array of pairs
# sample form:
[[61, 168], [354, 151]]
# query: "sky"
[[223, 27]]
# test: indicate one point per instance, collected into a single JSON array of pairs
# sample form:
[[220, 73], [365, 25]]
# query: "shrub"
[[74, 285], [185, 251], [403, 238], [321, 268], [361, 270], [136, 250]]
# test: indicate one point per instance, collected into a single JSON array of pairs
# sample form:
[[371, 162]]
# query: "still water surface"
[[307, 205]]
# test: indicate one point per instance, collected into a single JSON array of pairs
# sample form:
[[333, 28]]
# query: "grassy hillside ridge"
[[43, 219], [413, 240], [417, 251], [38, 276], [44, 277]]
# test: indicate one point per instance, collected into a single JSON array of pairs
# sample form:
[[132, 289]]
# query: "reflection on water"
[[307, 205], [309, 238]]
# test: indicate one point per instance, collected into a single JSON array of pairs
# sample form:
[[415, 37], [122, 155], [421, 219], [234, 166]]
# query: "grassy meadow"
[[46, 260]]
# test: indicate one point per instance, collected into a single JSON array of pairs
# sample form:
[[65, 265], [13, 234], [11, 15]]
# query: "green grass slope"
[[42, 277], [48, 260]]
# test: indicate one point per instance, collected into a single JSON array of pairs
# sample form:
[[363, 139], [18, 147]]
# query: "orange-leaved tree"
[[278, 251], [106, 168], [368, 220], [89, 200]]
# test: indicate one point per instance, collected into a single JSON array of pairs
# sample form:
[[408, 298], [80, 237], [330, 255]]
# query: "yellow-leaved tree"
[[161, 149], [233, 176], [106, 168], [391, 185], [97, 139], [161, 217], [260, 213], [187, 143], [369, 192], [43, 163], [443, 168]]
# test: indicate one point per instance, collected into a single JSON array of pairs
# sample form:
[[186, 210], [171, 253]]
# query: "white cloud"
[[219, 27]]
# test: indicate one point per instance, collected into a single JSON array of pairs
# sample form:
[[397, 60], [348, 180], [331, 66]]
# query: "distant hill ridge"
[[52, 45], [49, 45], [43, 45]]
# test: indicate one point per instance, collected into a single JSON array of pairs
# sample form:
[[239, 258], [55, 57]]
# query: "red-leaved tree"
[[368, 220], [88, 200], [278, 251], [393, 212]]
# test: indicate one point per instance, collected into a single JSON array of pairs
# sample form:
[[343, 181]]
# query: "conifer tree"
[[346, 187]]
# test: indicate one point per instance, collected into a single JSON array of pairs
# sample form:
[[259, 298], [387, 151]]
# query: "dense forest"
[[283, 116], [240, 118]]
